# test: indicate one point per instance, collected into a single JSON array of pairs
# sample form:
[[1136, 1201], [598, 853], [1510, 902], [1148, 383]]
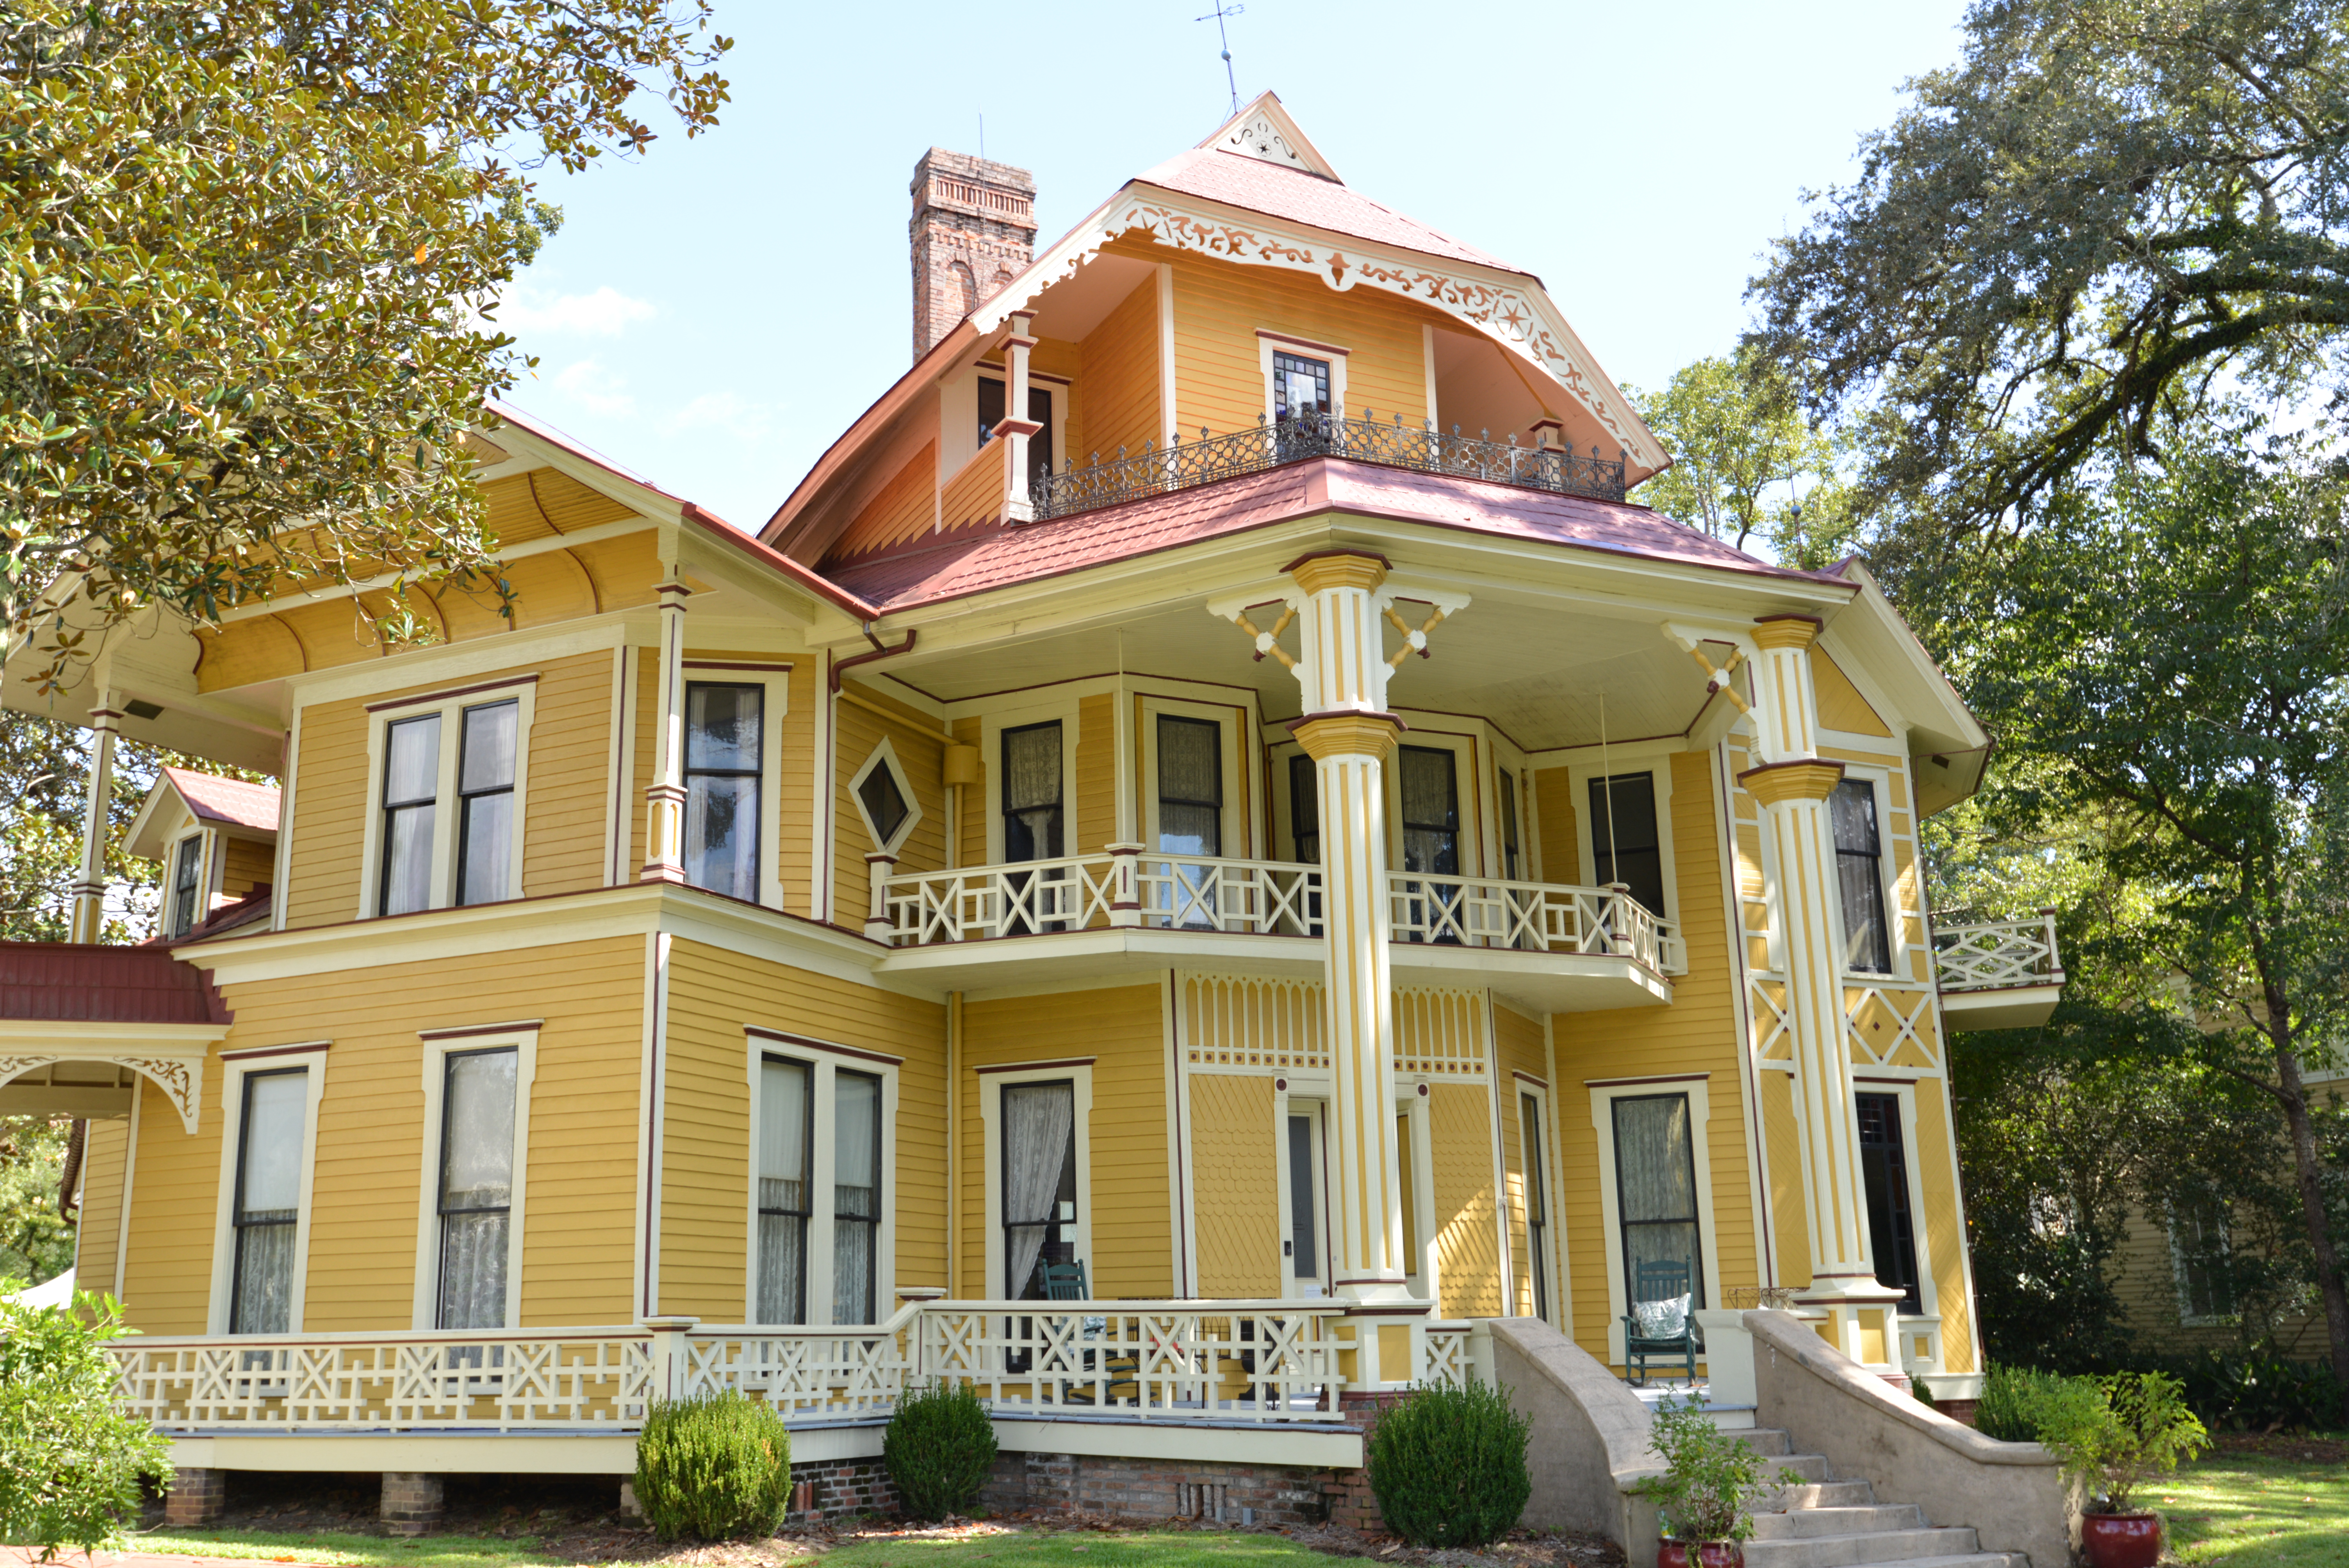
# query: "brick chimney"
[[973, 230]]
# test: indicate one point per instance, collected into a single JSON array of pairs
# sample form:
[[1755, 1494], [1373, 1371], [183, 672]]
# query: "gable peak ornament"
[[1258, 137]]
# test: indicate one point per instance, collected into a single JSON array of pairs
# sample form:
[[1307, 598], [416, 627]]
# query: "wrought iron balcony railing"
[[1156, 471]]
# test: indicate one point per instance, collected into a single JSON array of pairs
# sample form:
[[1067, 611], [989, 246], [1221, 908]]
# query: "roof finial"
[[1220, 13]]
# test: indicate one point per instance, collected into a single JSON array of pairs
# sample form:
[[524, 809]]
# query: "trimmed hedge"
[[715, 1466], [1448, 1465], [939, 1447]]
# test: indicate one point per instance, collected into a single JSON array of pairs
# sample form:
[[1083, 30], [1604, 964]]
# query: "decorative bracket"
[[1414, 638], [1690, 637], [1237, 613]]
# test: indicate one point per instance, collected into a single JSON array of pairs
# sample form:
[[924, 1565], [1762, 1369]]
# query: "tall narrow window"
[[855, 1195], [1190, 785], [1431, 843], [1511, 859], [2200, 1252], [1655, 1194], [1884, 1174], [187, 885], [1031, 792], [1300, 386], [786, 1131], [485, 780], [268, 1200], [1305, 809], [1039, 1183], [1408, 1184], [1536, 1201], [477, 1123], [1304, 1214], [723, 730], [1623, 838], [411, 787], [1867, 935]]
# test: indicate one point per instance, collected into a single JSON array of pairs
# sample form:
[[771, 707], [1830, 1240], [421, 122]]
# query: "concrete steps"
[[1816, 1523]]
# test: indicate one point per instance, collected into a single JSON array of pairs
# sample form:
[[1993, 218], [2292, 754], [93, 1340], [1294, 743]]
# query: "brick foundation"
[[1295, 1495], [1959, 1410], [830, 1486], [411, 1502], [197, 1496]]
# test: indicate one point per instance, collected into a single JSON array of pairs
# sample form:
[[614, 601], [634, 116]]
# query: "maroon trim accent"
[[998, 367], [312, 1049], [1325, 554], [840, 666], [1372, 1279], [1386, 1310], [780, 1038], [548, 897], [672, 587], [453, 691], [1008, 426], [1015, 341], [1423, 1091], [1856, 1078], [1036, 1066], [1073, 680], [1304, 341], [107, 713], [731, 665], [520, 1027], [1281, 1083], [1537, 1083], [879, 858], [1395, 720], [1671, 1078], [1796, 762], [1788, 615]]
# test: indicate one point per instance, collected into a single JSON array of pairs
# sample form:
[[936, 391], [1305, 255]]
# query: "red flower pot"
[[1700, 1554], [2121, 1540]]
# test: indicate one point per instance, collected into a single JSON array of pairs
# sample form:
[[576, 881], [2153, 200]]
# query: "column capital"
[[1320, 569], [1805, 778], [1346, 733], [1788, 631]]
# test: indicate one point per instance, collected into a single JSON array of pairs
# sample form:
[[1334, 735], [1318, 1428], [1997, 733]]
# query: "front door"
[[1305, 1228], [1884, 1171]]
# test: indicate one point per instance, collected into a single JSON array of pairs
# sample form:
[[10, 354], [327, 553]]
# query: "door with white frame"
[[1305, 1197]]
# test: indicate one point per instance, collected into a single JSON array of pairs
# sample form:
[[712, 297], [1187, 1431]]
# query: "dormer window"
[[187, 886], [1300, 386], [992, 399]]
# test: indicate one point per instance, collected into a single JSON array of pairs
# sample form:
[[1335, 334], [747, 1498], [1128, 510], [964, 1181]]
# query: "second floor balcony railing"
[[1997, 955], [1265, 898], [1156, 471]]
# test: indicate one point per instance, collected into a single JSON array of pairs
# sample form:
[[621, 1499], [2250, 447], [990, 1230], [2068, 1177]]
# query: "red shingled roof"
[[231, 801], [1238, 180], [77, 982], [996, 557]]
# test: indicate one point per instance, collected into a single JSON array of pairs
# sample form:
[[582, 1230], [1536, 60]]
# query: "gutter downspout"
[[880, 651]]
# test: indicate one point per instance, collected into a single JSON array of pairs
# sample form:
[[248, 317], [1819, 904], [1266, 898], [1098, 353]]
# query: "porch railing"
[[1998, 956], [1155, 470], [1130, 887], [1270, 1361]]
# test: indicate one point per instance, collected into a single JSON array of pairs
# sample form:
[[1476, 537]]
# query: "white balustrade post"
[[90, 892], [1792, 785], [1125, 885], [672, 1358], [664, 796], [1728, 1358], [878, 924], [1017, 427]]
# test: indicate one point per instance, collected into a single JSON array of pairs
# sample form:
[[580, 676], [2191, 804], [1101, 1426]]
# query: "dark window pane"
[[1655, 1194], [786, 1131], [1305, 809], [990, 407], [722, 754], [855, 1194], [268, 1200], [477, 1117], [1431, 811], [722, 727], [1884, 1174], [1509, 857], [411, 784], [1859, 877], [1190, 785], [1302, 1227], [1623, 837], [1040, 1181], [187, 885], [1031, 792], [1299, 386], [883, 802]]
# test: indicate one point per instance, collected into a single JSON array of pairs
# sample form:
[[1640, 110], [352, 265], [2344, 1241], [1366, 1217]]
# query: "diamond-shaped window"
[[884, 803]]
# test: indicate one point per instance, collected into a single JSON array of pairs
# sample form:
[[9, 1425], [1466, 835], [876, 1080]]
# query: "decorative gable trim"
[[1263, 130]]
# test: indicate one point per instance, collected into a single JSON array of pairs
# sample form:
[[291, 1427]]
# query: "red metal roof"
[[80, 983], [997, 557], [231, 801], [1238, 180]]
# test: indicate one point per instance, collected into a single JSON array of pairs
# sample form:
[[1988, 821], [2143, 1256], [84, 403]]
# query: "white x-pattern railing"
[[1997, 955], [1540, 917], [1276, 1361]]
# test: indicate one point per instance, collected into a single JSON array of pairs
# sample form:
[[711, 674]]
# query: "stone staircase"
[[1824, 1523]]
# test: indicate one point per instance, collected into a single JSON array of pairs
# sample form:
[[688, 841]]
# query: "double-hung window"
[[855, 1196], [2199, 1254], [476, 1186], [1190, 816], [1430, 842], [486, 801], [821, 1143], [411, 799], [1624, 841], [188, 879], [1859, 877], [1656, 1197], [447, 828], [1039, 1183], [724, 741], [1884, 1179], [1305, 809], [1032, 823], [786, 1136], [267, 1213]]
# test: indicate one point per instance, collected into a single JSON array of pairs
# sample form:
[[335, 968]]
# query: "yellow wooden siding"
[[706, 1116], [1123, 1031], [97, 1228], [904, 509], [1096, 774], [1789, 1206], [551, 588], [570, 776], [1554, 827], [625, 569], [1219, 308], [920, 746], [974, 493], [795, 808], [1235, 1186], [328, 816], [1460, 1138], [1841, 705], [1697, 1034], [968, 732], [542, 502], [1120, 378], [174, 1185], [1517, 1048], [1943, 1241], [245, 864]]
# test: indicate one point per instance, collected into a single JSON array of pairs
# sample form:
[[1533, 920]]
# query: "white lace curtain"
[[476, 1188], [1037, 1120], [855, 1194], [1031, 792], [1655, 1172], [269, 1198], [783, 1192]]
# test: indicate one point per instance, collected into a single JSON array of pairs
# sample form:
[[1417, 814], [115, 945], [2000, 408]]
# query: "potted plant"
[[1706, 1494], [2126, 1430]]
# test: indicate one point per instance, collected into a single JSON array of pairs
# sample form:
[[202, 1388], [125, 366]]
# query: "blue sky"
[[715, 313]]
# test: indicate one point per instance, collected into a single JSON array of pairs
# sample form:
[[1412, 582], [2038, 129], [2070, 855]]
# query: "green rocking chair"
[[1661, 1322]]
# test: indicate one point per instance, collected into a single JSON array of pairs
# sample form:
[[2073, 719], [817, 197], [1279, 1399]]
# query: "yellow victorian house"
[[1207, 856]]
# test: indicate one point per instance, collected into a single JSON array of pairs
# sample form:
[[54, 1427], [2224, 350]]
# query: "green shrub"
[[1448, 1465], [1710, 1480], [2020, 1405], [70, 1463], [2136, 1426], [939, 1447], [715, 1466]]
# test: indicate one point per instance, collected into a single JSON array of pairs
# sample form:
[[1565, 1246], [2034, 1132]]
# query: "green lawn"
[[328, 1546], [2247, 1510]]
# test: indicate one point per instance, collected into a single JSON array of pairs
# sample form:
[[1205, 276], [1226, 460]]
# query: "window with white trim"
[[2200, 1258], [725, 745], [1859, 877], [445, 824], [885, 799], [189, 865], [821, 1228], [475, 1200], [1626, 843], [786, 1132], [267, 1211], [1656, 1197]]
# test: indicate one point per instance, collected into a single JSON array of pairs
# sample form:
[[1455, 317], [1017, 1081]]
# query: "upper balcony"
[[1424, 450], [1564, 948], [1999, 975]]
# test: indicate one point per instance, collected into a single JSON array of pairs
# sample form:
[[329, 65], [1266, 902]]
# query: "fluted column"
[[664, 796], [1793, 783], [90, 892]]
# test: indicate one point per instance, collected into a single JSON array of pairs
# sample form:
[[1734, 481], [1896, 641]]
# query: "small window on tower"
[[1299, 386]]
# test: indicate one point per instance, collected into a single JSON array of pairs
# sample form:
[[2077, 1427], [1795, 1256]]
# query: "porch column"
[[1349, 735], [90, 892], [664, 796], [1017, 427], [1793, 784]]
